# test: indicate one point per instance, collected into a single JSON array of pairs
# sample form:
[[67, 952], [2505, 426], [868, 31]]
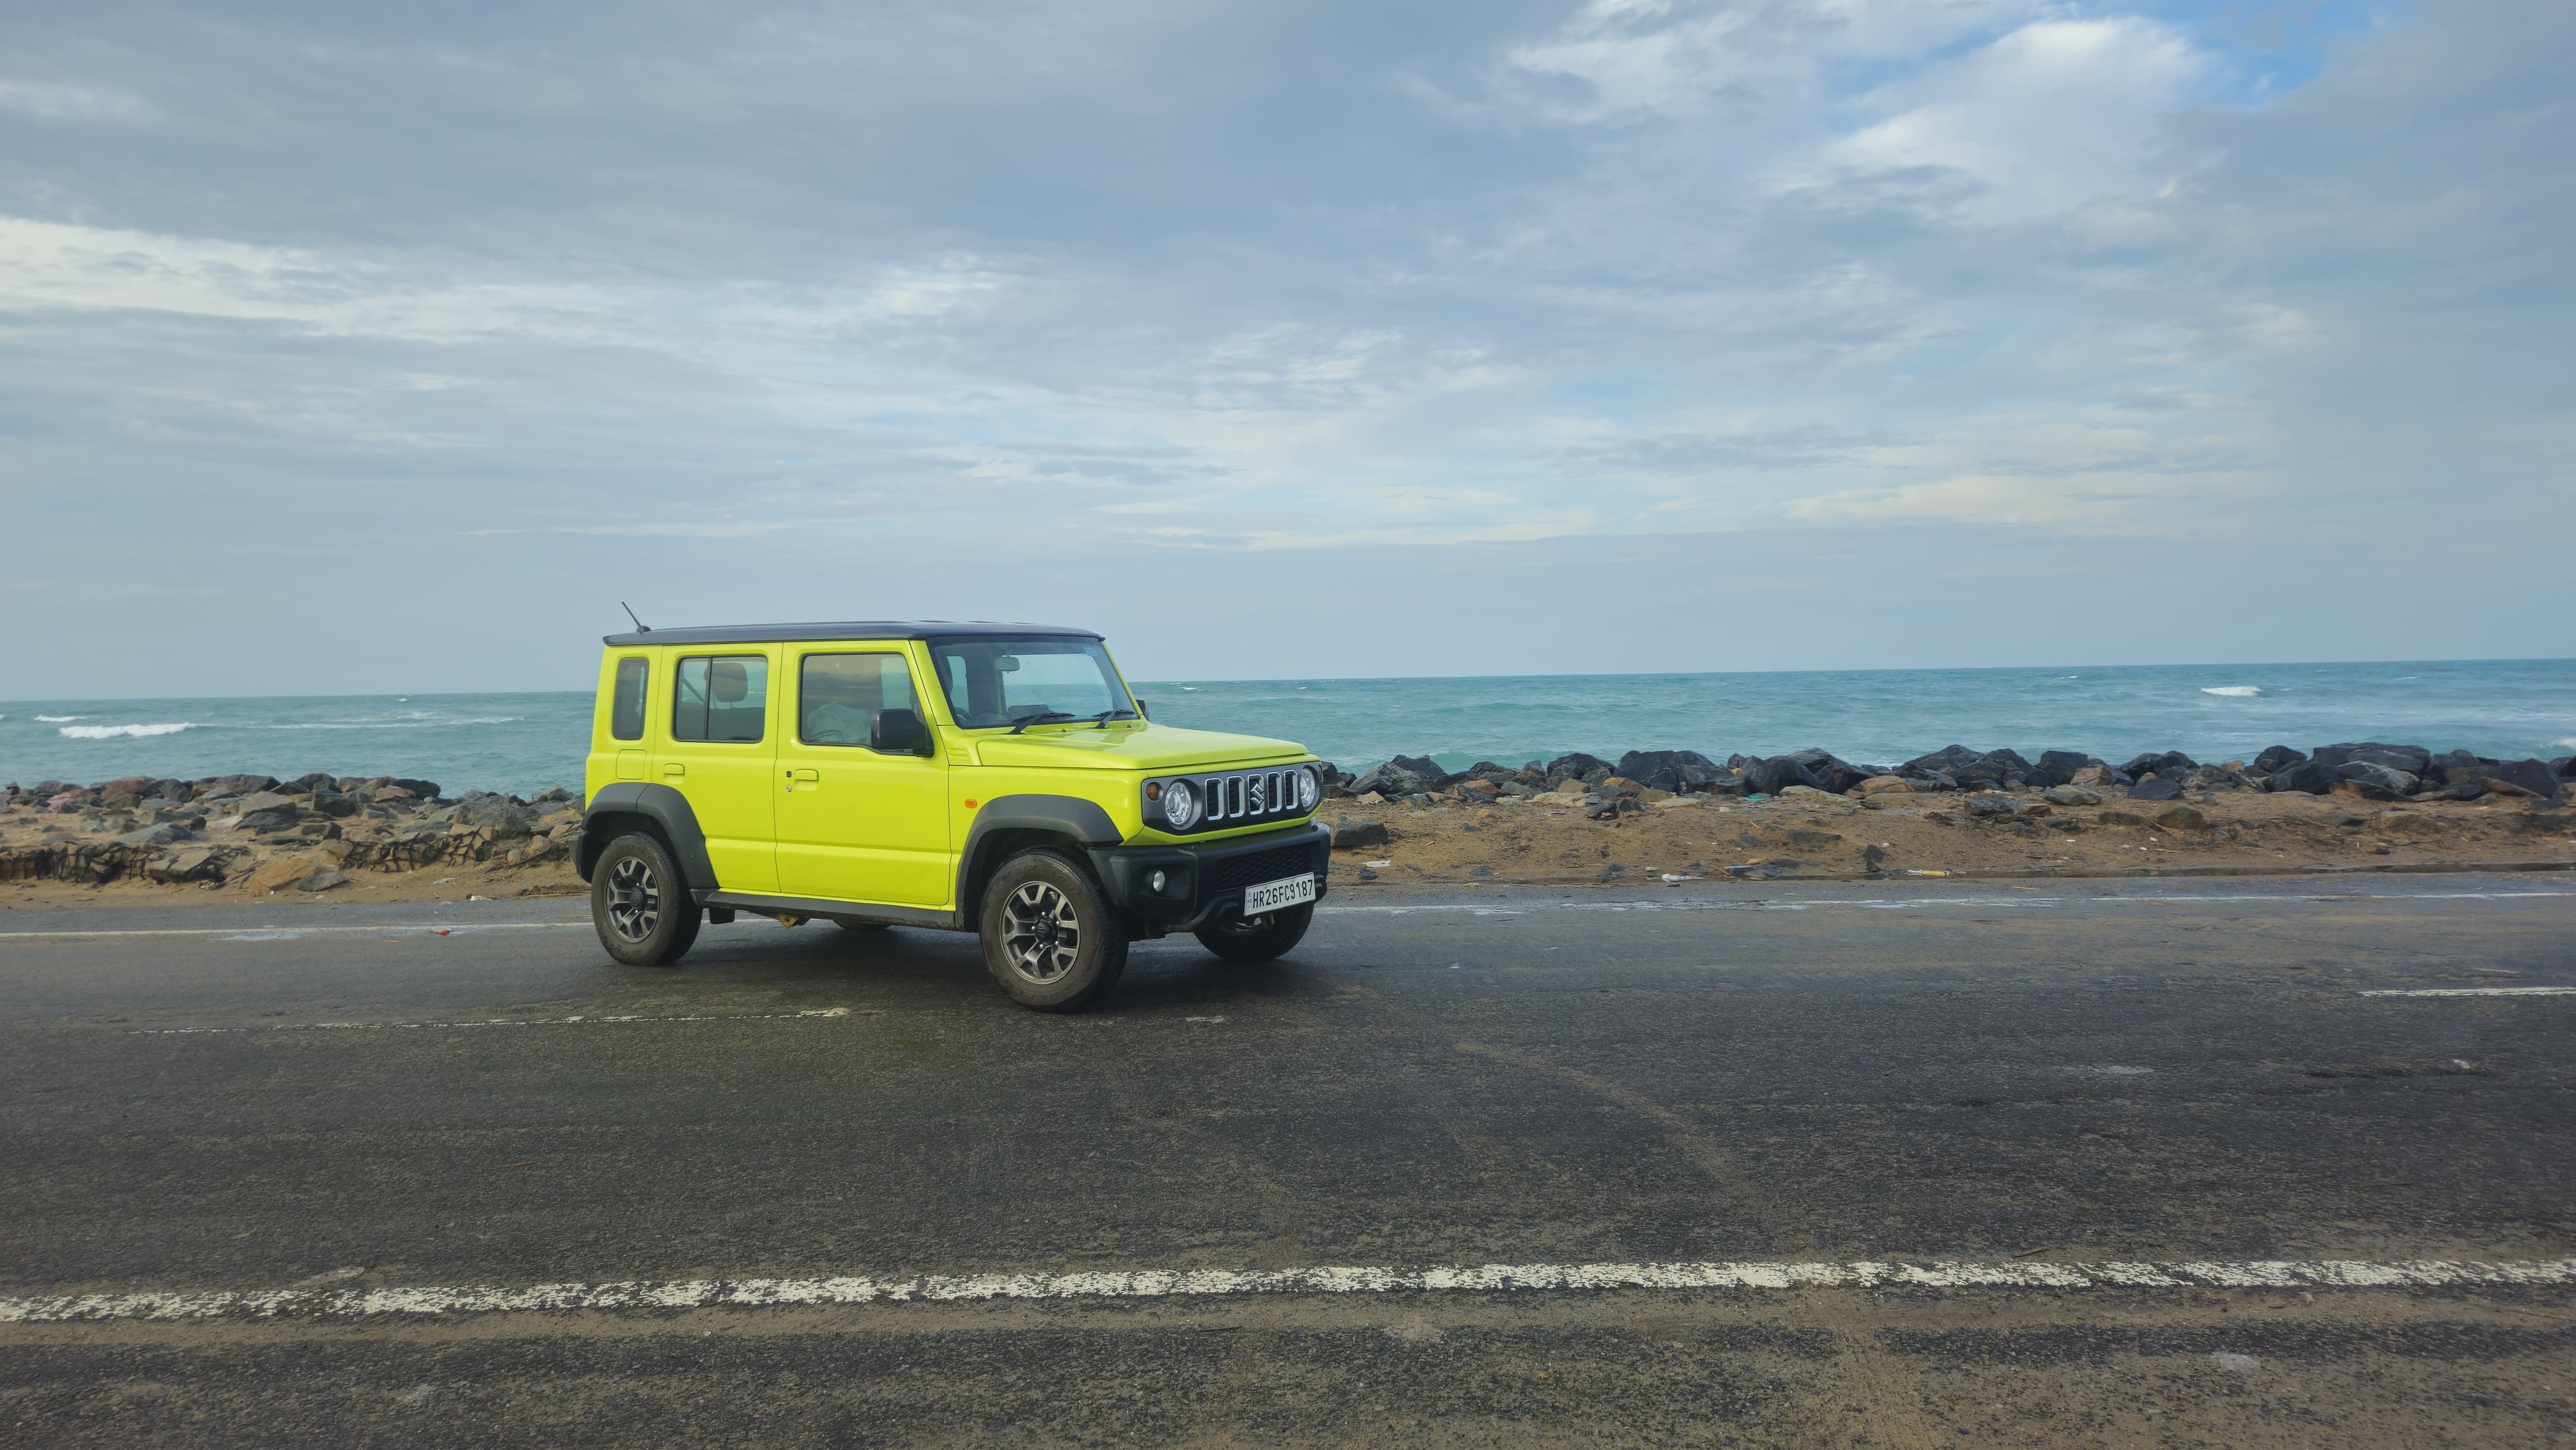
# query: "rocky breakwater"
[[1680, 816], [2365, 770], [2001, 791], [264, 834]]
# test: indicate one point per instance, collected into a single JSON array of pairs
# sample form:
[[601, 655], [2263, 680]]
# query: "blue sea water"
[[523, 742]]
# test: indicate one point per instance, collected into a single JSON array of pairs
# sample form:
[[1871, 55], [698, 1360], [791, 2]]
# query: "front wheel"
[[640, 905], [1262, 938], [1049, 938]]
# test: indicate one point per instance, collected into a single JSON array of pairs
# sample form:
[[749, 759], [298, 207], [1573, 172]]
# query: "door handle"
[[806, 774], [674, 771]]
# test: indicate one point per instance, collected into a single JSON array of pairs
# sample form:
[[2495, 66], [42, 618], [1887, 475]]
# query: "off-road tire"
[[1263, 938], [1050, 938], [640, 904]]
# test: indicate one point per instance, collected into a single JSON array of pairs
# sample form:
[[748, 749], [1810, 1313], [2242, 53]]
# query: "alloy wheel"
[[1041, 934], [634, 899]]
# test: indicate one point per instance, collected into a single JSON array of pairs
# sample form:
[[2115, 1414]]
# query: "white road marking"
[[1166, 1283], [493, 1022], [281, 933], [2473, 992], [1922, 902]]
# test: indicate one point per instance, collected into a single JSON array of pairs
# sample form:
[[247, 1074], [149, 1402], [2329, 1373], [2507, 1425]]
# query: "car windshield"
[[993, 682]]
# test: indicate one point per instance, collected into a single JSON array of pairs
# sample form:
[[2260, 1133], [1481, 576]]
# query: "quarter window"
[[626, 701], [838, 696], [720, 698]]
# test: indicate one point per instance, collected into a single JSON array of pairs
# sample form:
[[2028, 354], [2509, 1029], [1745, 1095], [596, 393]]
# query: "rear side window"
[[722, 698], [626, 702], [838, 696]]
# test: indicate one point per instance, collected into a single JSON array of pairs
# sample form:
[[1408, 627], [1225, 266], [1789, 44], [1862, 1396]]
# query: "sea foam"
[[2233, 692], [58, 719], [111, 732]]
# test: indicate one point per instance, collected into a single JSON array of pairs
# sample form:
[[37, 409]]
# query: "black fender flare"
[[665, 808], [1070, 819]]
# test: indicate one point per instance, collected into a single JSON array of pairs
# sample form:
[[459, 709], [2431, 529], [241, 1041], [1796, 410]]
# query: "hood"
[[1145, 748]]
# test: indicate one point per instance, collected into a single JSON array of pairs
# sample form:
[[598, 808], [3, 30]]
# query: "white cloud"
[[1627, 58], [64, 101], [2046, 118]]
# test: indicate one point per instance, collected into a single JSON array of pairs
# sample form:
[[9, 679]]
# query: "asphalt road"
[[226, 1100]]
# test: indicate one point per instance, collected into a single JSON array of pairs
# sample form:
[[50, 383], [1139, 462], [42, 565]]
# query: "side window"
[[721, 698], [838, 696], [626, 702]]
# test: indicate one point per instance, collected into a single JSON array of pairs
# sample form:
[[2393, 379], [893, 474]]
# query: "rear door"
[[719, 743], [856, 823]]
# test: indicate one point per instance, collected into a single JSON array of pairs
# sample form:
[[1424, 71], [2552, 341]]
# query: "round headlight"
[[1180, 805], [1307, 790]]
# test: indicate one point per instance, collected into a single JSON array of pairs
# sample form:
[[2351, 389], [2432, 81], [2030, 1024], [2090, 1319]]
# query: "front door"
[[718, 754], [854, 823]]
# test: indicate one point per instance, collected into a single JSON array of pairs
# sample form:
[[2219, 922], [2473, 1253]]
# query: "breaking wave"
[[112, 732], [58, 719], [2233, 692]]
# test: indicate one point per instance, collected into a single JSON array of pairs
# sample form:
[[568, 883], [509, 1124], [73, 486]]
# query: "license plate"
[[1272, 895]]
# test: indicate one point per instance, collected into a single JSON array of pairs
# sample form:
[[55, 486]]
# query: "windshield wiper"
[[1101, 720], [1042, 717]]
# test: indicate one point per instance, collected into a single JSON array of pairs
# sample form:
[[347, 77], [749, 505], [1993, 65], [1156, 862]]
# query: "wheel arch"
[[1008, 825], [657, 811]]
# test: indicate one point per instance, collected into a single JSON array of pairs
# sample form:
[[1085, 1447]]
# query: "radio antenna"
[[640, 626]]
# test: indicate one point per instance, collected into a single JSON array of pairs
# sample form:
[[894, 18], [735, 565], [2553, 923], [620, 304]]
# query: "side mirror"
[[1141, 712], [898, 732]]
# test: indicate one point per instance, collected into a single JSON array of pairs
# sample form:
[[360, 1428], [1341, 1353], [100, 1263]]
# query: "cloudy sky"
[[352, 348]]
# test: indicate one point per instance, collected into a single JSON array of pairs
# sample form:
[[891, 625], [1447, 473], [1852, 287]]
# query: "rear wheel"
[[640, 905], [1262, 938], [1049, 937]]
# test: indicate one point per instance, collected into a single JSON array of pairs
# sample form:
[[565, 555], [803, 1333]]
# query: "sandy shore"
[[1551, 840]]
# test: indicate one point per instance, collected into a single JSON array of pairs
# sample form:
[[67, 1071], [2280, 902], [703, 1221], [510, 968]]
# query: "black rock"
[[2533, 776], [2411, 759], [2215, 777], [317, 780], [2158, 789], [1400, 776], [2564, 767], [1352, 834], [242, 784], [1991, 805], [2171, 764], [1945, 761], [2377, 782], [2058, 767], [334, 804], [503, 814], [1669, 770], [1421, 765], [1997, 768], [1830, 771], [1577, 766], [275, 818], [2307, 776], [2277, 758], [1772, 776]]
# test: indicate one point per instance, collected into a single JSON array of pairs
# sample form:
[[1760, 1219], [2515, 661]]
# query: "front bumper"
[[1201, 881]]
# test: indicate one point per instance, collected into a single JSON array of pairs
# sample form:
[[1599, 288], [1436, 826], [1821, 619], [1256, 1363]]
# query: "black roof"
[[859, 629]]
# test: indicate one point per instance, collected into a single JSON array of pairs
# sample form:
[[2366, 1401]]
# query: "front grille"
[[1245, 798], [1233, 873]]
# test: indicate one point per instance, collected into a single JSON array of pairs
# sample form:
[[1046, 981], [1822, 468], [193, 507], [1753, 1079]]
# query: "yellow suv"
[[998, 779]]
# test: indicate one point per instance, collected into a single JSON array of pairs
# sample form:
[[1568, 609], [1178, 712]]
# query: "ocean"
[[524, 742]]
